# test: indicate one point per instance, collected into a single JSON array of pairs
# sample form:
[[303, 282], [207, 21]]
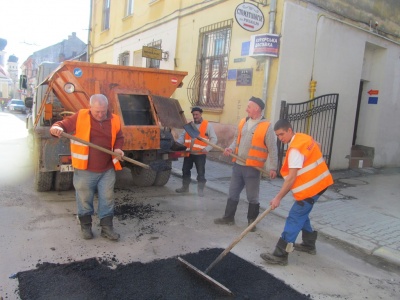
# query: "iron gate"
[[316, 117]]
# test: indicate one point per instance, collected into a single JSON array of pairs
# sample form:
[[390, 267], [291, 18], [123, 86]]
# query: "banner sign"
[[264, 45]]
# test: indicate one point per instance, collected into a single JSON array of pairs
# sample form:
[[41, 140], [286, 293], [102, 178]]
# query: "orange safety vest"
[[79, 151], [197, 145], [258, 153], [314, 176]]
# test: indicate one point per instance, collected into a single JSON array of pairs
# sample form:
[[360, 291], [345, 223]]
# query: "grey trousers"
[[243, 176]]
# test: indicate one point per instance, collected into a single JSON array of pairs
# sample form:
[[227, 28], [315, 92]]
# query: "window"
[[153, 63], [106, 15], [207, 87], [123, 59], [129, 7], [137, 58]]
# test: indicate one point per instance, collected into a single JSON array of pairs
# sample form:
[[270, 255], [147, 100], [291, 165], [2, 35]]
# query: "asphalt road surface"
[[39, 231]]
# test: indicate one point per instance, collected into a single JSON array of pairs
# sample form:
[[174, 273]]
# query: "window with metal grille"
[[153, 63], [106, 15], [123, 59], [207, 87]]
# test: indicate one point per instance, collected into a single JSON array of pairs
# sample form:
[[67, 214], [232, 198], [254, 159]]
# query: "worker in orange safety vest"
[[197, 152], [94, 170], [307, 176], [254, 142]]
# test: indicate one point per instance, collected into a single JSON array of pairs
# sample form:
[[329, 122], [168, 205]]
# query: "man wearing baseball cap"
[[254, 141], [198, 151]]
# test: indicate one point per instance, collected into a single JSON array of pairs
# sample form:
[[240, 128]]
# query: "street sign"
[[373, 100], [373, 92]]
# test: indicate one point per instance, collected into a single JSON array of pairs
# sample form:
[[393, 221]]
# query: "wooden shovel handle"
[[135, 162], [231, 154], [237, 240]]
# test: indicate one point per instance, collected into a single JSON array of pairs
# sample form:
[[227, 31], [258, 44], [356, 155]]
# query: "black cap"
[[196, 108], [258, 101]]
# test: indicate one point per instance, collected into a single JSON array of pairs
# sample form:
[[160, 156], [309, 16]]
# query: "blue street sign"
[[373, 100], [78, 72]]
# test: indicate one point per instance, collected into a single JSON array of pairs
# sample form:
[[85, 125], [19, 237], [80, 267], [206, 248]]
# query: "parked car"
[[16, 105]]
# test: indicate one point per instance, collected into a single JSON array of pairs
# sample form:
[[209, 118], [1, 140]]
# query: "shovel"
[[222, 255], [155, 166], [195, 133]]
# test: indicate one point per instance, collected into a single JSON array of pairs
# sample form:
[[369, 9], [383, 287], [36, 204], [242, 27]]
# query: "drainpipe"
[[271, 29], [89, 31], [312, 89]]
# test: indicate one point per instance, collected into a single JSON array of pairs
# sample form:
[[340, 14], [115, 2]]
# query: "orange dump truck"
[[140, 96]]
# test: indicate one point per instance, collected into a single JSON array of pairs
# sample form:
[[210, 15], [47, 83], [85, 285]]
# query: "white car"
[[16, 105]]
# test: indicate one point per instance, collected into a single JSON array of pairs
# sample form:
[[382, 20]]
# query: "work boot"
[[200, 189], [229, 217], [252, 214], [185, 186], [279, 256], [308, 244], [86, 227], [107, 230]]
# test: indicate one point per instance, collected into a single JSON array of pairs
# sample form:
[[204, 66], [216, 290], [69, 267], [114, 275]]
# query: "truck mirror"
[[23, 82], [28, 102]]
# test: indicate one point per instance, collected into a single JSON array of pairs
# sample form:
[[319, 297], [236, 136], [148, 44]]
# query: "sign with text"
[[150, 52], [244, 77], [249, 16], [264, 45]]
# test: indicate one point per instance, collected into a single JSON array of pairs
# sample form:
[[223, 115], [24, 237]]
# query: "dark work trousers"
[[244, 176], [200, 162]]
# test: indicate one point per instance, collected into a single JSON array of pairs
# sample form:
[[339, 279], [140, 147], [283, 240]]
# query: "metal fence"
[[316, 117]]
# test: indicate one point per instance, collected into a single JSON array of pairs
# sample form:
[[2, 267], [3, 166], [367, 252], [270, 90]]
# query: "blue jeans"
[[86, 183], [245, 176], [298, 220]]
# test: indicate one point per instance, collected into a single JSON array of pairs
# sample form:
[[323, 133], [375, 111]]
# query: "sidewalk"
[[362, 208]]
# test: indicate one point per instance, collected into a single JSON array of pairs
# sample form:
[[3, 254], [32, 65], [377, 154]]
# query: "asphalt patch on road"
[[140, 211], [96, 278], [147, 216]]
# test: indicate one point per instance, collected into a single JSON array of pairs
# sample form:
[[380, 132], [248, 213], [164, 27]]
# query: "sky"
[[31, 25]]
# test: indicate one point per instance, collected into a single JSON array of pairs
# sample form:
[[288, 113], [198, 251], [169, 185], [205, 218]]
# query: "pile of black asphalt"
[[160, 279]]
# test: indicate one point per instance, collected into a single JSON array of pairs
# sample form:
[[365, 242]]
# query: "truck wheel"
[[43, 181], [163, 177], [143, 177], [63, 181]]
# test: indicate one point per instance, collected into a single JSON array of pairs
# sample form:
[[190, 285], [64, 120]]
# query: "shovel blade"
[[205, 276], [191, 130]]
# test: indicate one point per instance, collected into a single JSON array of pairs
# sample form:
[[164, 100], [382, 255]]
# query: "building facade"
[[70, 48], [5, 80], [277, 50]]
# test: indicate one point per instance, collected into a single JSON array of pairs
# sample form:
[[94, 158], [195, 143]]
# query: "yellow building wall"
[[144, 16], [236, 97], [193, 15]]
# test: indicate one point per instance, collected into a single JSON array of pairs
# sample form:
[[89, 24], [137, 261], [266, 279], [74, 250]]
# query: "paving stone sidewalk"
[[361, 209]]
